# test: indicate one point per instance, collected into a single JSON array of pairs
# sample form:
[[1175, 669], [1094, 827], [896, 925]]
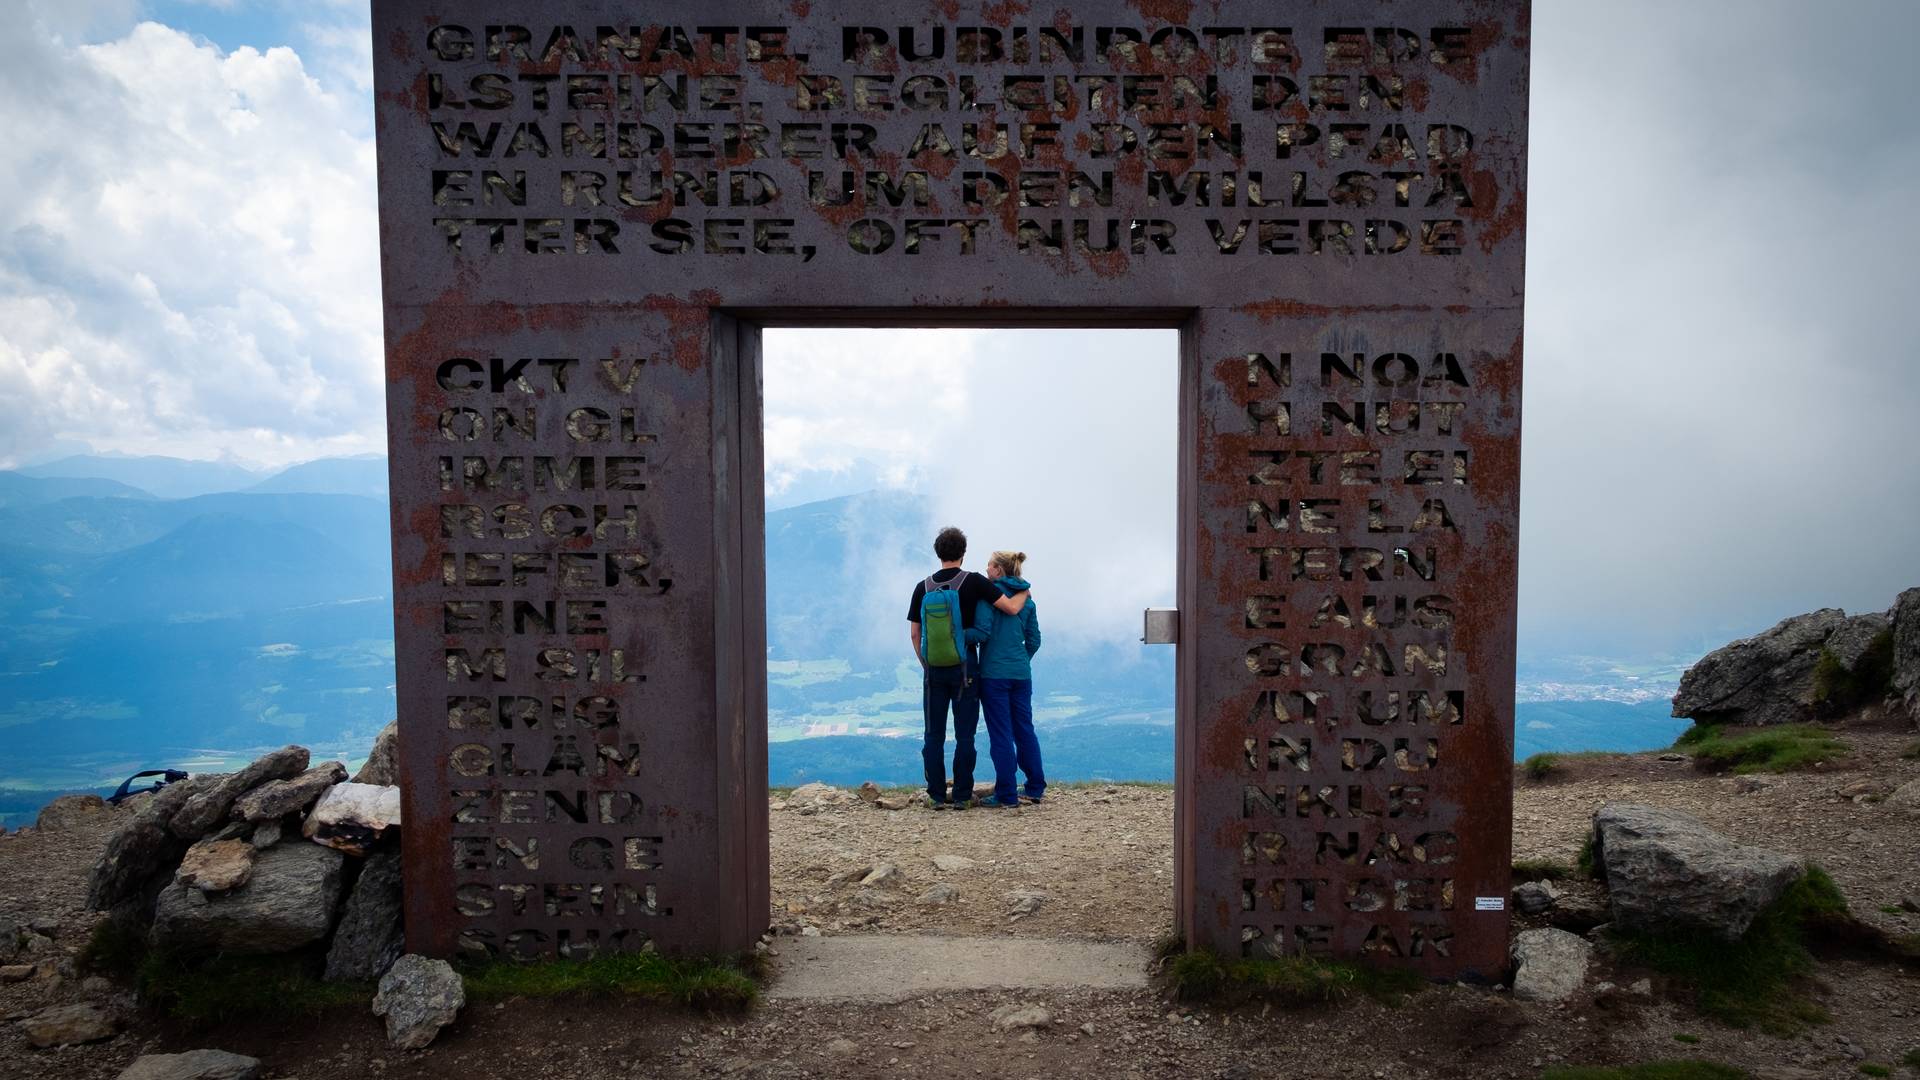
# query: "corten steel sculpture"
[[589, 209]]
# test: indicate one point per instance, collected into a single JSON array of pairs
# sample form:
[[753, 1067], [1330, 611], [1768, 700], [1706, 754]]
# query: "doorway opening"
[[1059, 443]]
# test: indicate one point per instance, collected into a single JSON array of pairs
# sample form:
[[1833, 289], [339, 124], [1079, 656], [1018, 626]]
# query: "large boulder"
[[289, 902], [1766, 679], [418, 996], [1906, 649], [207, 809], [193, 1065], [382, 766], [142, 852], [1666, 870], [353, 817], [370, 935], [67, 811], [278, 798], [1549, 965]]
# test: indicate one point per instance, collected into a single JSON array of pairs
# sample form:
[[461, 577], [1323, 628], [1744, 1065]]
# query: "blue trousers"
[[1008, 704], [943, 689]]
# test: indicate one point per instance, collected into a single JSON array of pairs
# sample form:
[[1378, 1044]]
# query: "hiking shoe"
[[1034, 799], [994, 802]]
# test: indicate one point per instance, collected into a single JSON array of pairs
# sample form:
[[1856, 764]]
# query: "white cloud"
[[1058, 443], [189, 250]]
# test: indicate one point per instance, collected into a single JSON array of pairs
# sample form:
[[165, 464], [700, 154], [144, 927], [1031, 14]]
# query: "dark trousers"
[[1011, 742], [943, 689]]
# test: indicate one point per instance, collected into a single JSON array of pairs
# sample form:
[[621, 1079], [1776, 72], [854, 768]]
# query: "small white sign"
[[1489, 903]]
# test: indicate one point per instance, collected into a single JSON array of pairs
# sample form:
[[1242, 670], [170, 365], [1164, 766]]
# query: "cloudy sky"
[[1723, 367]]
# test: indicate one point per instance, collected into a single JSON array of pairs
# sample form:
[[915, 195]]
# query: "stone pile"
[[278, 856], [1770, 678]]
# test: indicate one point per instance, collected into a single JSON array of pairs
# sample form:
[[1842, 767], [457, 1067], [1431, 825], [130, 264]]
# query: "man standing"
[[945, 604]]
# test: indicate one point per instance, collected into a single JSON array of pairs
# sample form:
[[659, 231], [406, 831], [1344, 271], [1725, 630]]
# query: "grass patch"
[[1871, 1069], [244, 987], [1750, 982], [1290, 981], [115, 950], [1540, 766], [691, 982], [1583, 860], [1867, 682], [1652, 1070], [1540, 870], [1777, 749], [1911, 753], [1168, 945], [1911, 1059], [1892, 909], [1683, 1037], [198, 992]]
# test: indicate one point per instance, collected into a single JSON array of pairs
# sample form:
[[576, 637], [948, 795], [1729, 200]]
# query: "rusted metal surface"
[[1349, 422]]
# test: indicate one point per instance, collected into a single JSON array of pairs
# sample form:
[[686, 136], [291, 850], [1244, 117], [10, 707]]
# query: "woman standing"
[[1008, 643]]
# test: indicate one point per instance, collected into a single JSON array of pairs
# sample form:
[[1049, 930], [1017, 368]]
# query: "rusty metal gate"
[[589, 208]]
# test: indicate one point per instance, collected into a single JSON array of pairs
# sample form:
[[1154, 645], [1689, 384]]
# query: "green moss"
[[1652, 1070], [244, 987], [1201, 975], [1750, 982], [1540, 870], [1540, 766], [1776, 749], [1871, 1069], [693, 982], [1870, 679], [1685, 1038], [1911, 1059]]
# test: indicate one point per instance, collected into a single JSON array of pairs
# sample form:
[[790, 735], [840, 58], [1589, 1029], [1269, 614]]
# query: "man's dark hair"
[[950, 545]]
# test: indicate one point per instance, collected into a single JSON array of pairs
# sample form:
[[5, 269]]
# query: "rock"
[[1665, 870], [883, 873], [1535, 897], [1016, 1016], [69, 1025], [13, 973], [141, 850], [1767, 679], [418, 996], [1906, 649], [288, 903], [890, 802], [1906, 797], [266, 834], [1024, 901], [873, 899], [369, 938], [869, 792], [942, 893], [1855, 636], [952, 864], [382, 767], [815, 797], [1866, 789], [193, 1065], [842, 1047], [216, 865], [1550, 964], [13, 937], [277, 798], [68, 811], [209, 808], [353, 817], [1910, 903]]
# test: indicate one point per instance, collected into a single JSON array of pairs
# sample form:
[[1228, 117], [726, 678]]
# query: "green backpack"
[[942, 638]]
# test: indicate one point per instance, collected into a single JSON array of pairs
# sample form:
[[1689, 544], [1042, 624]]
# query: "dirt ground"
[[1101, 859]]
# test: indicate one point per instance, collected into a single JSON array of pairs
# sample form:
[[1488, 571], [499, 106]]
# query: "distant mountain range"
[[150, 616]]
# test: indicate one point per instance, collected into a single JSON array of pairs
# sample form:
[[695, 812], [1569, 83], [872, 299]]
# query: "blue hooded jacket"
[[1007, 642]]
